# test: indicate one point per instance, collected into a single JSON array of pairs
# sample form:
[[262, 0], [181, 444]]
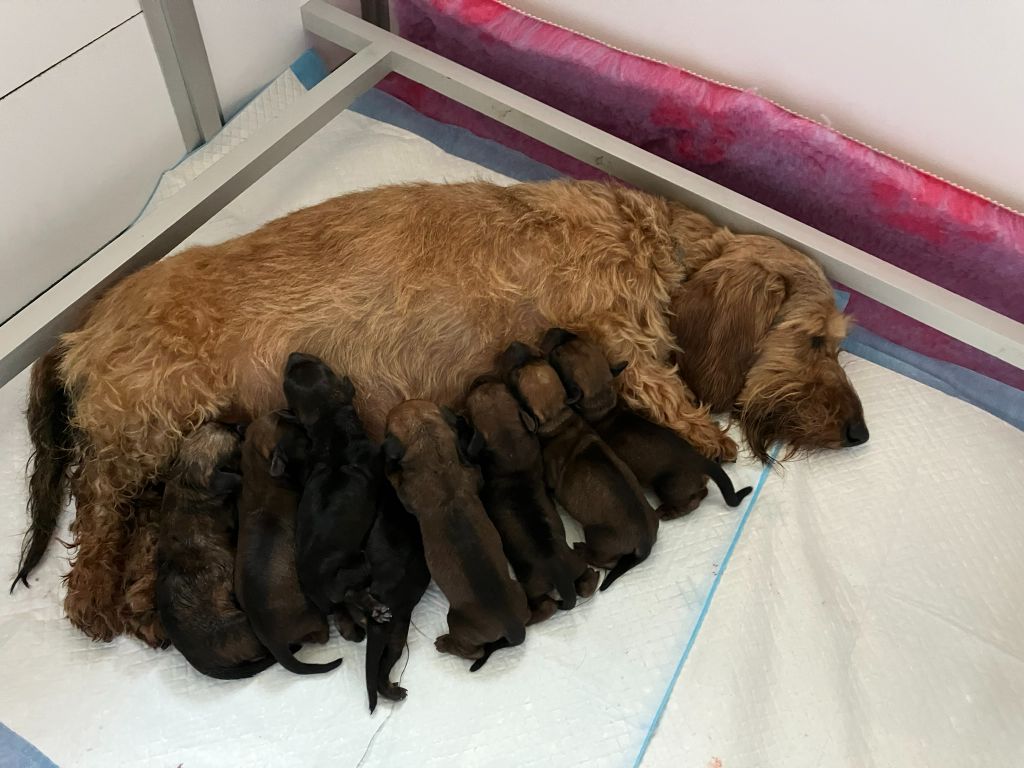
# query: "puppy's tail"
[[715, 472], [286, 659], [625, 564], [240, 671], [376, 640], [49, 425], [514, 635]]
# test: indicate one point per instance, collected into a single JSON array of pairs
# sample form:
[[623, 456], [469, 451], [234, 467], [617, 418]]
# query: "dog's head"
[[760, 333], [537, 387], [422, 442], [500, 426], [313, 390], [209, 460], [588, 379], [276, 446]]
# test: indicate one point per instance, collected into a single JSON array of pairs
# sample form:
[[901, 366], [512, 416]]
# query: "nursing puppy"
[[436, 482], [504, 445], [196, 559], [339, 499], [399, 577], [587, 478], [266, 582], [659, 457]]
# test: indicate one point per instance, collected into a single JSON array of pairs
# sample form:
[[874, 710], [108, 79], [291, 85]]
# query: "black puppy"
[[339, 501], [399, 577]]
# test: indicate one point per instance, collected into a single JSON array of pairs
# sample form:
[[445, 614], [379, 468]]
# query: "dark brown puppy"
[[399, 577], [659, 457], [196, 559], [266, 582], [436, 482], [587, 478], [339, 498], [518, 504]]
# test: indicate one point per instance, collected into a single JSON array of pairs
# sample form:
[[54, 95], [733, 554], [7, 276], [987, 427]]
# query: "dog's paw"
[[586, 585], [381, 614], [393, 692]]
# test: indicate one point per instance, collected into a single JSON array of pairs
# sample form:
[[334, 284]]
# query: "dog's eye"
[[817, 342]]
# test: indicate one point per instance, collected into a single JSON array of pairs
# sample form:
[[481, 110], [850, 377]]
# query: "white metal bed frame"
[[33, 330]]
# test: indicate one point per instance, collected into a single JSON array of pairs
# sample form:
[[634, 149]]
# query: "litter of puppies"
[[262, 538]]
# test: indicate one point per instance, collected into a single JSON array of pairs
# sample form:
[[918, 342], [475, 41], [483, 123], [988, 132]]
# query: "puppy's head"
[[422, 439], [312, 389], [588, 379], [209, 460], [537, 387], [500, 426]]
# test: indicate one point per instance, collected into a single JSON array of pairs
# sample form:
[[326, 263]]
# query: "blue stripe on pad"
[[15, 752]]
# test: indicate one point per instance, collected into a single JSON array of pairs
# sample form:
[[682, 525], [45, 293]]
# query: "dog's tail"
[[515, 633], [287, 659], [240, 671], [625, 564], [376, 640], [732, 497], [49, 425]]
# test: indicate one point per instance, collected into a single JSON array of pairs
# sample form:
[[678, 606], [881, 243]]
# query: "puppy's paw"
[[586, 585], [393, 692], [381, 613]]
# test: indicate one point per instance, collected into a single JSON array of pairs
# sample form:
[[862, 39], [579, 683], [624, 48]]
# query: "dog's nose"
[[855, 433]]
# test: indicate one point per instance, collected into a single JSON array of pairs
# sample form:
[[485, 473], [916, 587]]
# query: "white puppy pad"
[[872, 613]]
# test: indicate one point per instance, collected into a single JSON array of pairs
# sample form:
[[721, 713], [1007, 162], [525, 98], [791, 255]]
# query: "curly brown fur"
[[515, 497], [365, 282], [593, 485], [436, 483], [196, 559], [139, 610], [266, 580]]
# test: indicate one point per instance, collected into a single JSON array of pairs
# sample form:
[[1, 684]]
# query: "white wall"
[[938, 84], [82, 143]]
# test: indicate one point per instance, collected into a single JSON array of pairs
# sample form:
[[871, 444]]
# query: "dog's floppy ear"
[[619, 367], [224, 482], [555, 337], [720, 316], [347, 389], [516, 355], [286, 414], [573, 393], [529, 420], [278, 462]]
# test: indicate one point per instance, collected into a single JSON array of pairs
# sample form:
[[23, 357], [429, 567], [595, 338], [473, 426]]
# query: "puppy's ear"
[[278, 462], [619, 367], [347, 389], [573, 394], [224, 482], [393, 449], [555, 337], [476, 445], [529, 420], [286, 414], [515, 356]]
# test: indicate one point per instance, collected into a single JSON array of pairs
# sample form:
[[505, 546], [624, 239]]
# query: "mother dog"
[[411, 291]]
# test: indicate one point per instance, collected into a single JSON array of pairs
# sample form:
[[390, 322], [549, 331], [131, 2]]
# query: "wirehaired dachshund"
[[339, 498], [266, 581], [196, 559], [504, 444], [437, 483], [658, 456], [587, 478]]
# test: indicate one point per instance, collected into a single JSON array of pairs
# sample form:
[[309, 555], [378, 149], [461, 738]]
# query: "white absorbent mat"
[[583, 689], [873, 611]]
